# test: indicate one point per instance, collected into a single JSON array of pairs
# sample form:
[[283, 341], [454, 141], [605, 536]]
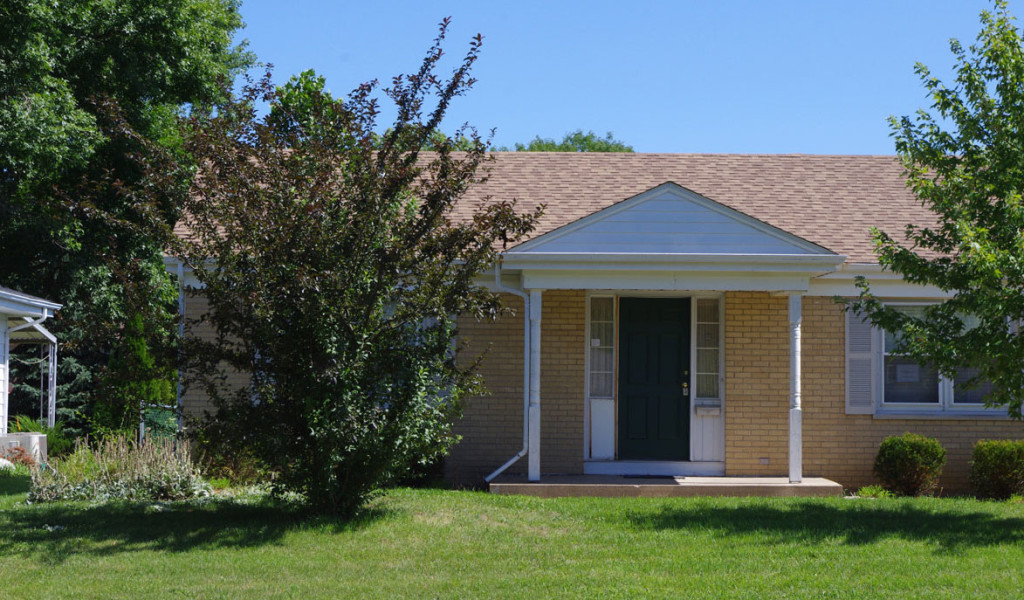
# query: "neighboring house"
[[22, 320], [675, 315]]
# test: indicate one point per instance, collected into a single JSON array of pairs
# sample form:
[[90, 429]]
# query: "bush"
[[120, 469], [909, 464], [874, 491], [219, 458], [57, 442], [997, 468], [18, 456], [9, 470]]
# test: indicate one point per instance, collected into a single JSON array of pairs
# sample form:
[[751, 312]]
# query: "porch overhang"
[[17, 304], [21, 321], [670, 272]]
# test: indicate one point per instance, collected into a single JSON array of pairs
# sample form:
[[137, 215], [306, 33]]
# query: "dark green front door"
[[654, 371]]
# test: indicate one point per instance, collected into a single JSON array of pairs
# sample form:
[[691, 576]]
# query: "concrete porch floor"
[[614, 486]]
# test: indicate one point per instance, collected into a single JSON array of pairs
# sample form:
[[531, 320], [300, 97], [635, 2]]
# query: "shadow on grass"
[[856, 522], [55, 532], [11, 485]]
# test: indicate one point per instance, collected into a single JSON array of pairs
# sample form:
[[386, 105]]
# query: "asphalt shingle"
[[833, 201]]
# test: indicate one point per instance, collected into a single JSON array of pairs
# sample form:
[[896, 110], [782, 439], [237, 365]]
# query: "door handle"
[[686, 389]]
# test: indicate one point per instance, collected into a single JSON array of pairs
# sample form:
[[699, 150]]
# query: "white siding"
[[670, 222]]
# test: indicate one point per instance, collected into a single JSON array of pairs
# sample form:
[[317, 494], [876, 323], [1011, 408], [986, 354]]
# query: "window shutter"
[[860, 365]]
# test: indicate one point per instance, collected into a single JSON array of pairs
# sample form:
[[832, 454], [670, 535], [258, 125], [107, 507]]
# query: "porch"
[[619, 486]]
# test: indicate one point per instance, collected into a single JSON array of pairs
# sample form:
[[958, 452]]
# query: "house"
[[676, 315], [687, 323], [21, 322]]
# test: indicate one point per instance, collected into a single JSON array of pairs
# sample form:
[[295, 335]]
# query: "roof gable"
[[669, 219]]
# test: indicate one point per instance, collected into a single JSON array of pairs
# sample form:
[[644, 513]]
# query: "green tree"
[[84, 86], [134, 383], [334, 268], [575, 141], [966, 163]]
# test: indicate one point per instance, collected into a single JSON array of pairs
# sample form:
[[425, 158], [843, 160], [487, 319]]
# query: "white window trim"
[[945, 407]]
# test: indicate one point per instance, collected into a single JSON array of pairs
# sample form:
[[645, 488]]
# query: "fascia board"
[[664, 280], [816, 263], [21, 307]]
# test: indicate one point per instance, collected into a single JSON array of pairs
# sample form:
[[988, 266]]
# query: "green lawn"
[[445, 544]]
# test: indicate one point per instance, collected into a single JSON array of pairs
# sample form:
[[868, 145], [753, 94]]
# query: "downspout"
[[181, 340], [526, 371], [31, 323]]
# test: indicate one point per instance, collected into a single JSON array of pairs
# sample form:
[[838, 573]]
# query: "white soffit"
[[669, 220]]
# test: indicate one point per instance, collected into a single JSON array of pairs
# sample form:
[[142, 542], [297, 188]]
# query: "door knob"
[[686, 389]]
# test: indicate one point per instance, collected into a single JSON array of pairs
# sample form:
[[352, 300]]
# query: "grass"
[[447, 544]]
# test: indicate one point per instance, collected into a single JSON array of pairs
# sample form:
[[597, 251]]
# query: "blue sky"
[[688, 76]]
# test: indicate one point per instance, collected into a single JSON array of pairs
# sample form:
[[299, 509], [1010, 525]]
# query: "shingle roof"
[[832, 201]]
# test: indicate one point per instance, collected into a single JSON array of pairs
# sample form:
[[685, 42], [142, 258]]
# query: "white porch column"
[[795, 410], [4, 378], [533, 456]]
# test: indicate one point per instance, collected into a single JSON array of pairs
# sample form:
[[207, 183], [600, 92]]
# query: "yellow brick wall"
[[756, 384], [195, 401], [836, 445], [842, 447], [492, 425]]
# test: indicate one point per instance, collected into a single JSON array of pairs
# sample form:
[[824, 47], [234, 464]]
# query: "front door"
[[654, 375]]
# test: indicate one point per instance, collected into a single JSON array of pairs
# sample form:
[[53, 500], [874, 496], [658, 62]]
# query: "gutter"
[[526, 371]]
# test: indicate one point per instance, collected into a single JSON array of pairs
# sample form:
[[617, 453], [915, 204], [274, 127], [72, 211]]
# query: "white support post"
[[4, 378], [51, 392], [795, 409], [533, 456]]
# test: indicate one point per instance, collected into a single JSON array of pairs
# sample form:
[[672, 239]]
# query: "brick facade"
[[842, 447], [492, 426], [756, 384], [838, 446]]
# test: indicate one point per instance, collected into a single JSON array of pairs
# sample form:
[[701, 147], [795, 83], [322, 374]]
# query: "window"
[[905, 381], [879, 380], [708, 347], [602, 347]]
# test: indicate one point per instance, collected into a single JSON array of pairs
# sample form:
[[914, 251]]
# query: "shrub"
[[120, 469], [57, 442], [9, 470], [18, 456], [909, 464], [997, 468], [874, 491], [219, 458]]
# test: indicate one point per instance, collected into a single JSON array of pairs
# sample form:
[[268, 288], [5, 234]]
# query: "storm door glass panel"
[[907, 382], [602, 347], [708, 347]]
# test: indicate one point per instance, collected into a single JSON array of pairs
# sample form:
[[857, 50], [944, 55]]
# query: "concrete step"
[[613, 486]]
